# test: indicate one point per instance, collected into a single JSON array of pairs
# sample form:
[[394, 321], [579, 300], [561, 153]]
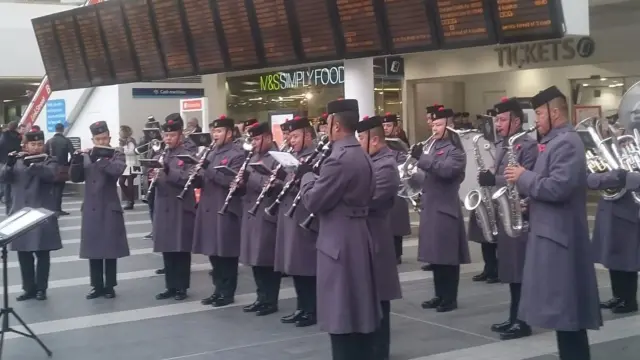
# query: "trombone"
[[154, 145]]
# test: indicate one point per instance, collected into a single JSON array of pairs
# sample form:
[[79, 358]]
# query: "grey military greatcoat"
[[340, 197], [214, 234], [442, 238], [559, 289], [173, 219], [400, 220], [616, 235], [258, 233], [385, 263], [103, 234], [33, 187], [295, 246], [511, 251]]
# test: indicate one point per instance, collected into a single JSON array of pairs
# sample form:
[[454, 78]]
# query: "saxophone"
[[508, 198], [480, 200]]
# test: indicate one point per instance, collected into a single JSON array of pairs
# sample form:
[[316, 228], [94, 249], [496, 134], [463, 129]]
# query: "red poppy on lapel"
[[541, 147], [180, 162], [518, 146], [224, 161], [441, 152]]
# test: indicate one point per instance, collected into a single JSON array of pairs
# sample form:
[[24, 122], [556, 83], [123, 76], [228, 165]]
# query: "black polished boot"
[[501, 326], [210, 300], [129, 206], [180, 295], [447, 306], [427, 267], [431, 304], [611, 303], [291, 318], [516, 331], [492, 279], [267, 309], [95, 293], [27, 295], [41, 295], [252, 307], [307, 319], [223, 301], [625, 307], [109, 293], [480, 277], [167, 294], [160, 271]]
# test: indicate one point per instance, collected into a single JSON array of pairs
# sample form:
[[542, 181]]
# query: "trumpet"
[[236, 182], [154, 145], [270, 183], [306, 224], [196, 169]]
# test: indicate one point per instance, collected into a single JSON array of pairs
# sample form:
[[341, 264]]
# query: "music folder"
[[261, 169], [34, 159], [188, 159], [151, 163], [285, 159], [22, 221], [103, 151], [201, 139], [226, 170]]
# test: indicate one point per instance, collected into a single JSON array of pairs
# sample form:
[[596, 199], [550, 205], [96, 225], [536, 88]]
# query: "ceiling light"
[[308, 96], [603, 79], [585, 85]]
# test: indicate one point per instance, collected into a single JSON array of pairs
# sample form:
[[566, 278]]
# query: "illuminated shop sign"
[[297, 79]]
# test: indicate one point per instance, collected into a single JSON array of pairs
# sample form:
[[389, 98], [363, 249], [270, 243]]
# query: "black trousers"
[[305, 287], [624, 285], [225, 275], [35, 276], [177, 267], [490, 257], [573, 345], [515, 290], [8, 199], [267, 283], [382, 341], [446, 279], [353, 346], [126, 185], [397, 243], [58, 189], [103, 273]]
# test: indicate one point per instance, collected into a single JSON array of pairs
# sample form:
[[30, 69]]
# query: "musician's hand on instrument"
[[486, 178], [303, 169], [11, 159], [204, 163], [512, 173], [417, 151], [621, 177], [524, 205]]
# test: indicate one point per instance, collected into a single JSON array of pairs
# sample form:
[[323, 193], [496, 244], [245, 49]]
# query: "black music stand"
[[11, 228]]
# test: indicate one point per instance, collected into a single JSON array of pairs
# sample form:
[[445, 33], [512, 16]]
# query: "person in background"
[[192, 127], [62, 149], [128, 145], [10, 141], [151, 123]]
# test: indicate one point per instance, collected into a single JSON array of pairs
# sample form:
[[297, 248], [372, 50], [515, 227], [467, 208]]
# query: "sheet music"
[[21, 222], [284, 158]]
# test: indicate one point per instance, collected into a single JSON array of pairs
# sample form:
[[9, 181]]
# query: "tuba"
[[480, 200], [507, 197]]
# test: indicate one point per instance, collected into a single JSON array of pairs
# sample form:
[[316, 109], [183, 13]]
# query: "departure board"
[[315, 30], [527, 20], [144, 42], [204, 36], [409, 25], [69, 43], [115, 34], [237, 31], [173, 40], [463, 23], [94, 47], [51, 58], [275, 32], [360, 27]]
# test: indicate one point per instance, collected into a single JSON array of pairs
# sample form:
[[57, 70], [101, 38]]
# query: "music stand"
[[11, 228]]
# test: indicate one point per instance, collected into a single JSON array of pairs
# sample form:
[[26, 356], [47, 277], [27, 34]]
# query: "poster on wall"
[[581, 112], [276, 119]]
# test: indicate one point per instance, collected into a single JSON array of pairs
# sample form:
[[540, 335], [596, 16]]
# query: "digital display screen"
[[97, 59], [144, 40], [51, 57], [70, 46], [463, 23], [409, 25], [527, 20], [172, 38], [360, 27]]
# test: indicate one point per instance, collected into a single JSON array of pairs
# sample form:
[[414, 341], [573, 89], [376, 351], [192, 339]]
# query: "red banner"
[[43, 93]]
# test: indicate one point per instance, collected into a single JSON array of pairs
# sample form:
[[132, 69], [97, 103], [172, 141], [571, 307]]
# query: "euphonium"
[[480, 200], [507, 197]]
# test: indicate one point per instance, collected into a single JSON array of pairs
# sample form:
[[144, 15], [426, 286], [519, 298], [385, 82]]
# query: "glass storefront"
[[304, 91]]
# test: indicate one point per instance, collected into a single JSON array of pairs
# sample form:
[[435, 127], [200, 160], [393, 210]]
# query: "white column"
[[215, 89], [358, 84]]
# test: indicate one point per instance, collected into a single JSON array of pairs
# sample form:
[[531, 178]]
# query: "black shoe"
[[180, 295], [149, 236], [27, 295], [625, 307], [129, 206], [210, 300], [109, 293], [267, 309], [223, 301], [210, 272], [427, 267], [501, 326], [95, 293], [167, 294], [41, 295], [62, 213], [447, 306], [492, 280], [399, 260], [611, 303], [480, 277], [160, 271], [307, 319], [516, 331], [431, 304], [292, 318], [252, 307]]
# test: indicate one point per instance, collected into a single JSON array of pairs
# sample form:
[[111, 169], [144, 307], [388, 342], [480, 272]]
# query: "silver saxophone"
[[507, 197], [480, 200]]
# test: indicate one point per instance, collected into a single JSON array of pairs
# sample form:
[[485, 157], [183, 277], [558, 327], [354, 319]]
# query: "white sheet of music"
[[285, 159]]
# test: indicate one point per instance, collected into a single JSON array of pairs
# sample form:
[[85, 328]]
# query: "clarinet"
[[234, 187], [272, 210], [326, 151], [203, 155], [266, 187], [306, 224], [153, 182]]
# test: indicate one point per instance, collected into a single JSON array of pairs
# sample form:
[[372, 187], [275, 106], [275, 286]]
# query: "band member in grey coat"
[[616, 241], [174, 219], [559, 289], [103, 235], [295, 245], [387, 180], [348, 302], [218, 236], [258, 233], [511, 251], [400, 221], [32, 184], [442, 241]]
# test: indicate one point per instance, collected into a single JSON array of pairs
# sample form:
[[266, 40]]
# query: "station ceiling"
[[15, 89]]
